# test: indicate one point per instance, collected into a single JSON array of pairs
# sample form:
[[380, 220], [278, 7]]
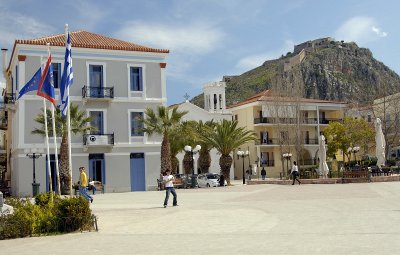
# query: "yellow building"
[[283, 125]]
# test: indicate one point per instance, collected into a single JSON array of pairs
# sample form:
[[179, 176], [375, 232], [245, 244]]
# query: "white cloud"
[[195, 38], [379, 32], [186, 42], [20, 26], [256, 60], [359, 29]]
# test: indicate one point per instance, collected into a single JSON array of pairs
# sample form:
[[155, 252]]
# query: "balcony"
[[98, 139], [9, 98], [97, 92], [277, 141], [265, 163], [270, 120], [3, 123]]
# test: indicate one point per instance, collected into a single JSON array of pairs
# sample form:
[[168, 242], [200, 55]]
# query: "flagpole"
[[47, 138], [55, 149], [69, 121]]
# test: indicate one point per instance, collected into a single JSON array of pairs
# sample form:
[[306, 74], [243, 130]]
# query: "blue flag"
[[32, 85], [67, 78], [46, 85]]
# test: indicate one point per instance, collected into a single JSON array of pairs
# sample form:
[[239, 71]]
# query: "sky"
[[208, 39]]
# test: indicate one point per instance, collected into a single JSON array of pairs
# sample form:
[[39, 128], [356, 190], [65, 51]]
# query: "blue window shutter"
[[140, 80]]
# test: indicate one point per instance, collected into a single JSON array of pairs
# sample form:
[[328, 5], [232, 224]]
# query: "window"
[[97, 122], [96, 76], [136, 123], [136, 79], [56, 74]]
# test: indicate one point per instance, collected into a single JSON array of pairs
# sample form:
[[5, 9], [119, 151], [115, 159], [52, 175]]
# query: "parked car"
[[208, 180]]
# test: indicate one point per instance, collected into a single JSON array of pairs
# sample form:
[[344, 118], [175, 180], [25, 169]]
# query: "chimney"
[[4, 52]]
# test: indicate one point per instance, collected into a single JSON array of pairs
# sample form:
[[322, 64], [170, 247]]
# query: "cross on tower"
[[186, 96]]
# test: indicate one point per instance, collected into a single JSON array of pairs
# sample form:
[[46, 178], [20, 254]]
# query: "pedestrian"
[[295, 173], [91, 186], [263, 173], [83, 183], [169, 188]]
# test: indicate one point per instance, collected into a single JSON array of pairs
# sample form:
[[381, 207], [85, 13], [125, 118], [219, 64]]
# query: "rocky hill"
[[325, 69]]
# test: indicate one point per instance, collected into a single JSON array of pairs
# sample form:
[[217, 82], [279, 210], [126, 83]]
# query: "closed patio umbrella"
[[323, 166], [380, 143]]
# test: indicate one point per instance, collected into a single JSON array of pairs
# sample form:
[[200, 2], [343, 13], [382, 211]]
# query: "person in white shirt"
[[169, 188], [295, 173]]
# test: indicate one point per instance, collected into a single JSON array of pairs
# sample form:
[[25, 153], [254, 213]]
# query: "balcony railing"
[[97, 92], [267, 163], [277, 141], [270, 120], [9, 98], [3, 122], [98, 139]]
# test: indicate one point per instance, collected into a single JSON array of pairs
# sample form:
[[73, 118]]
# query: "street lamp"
[[243, 154], [354, 150], [34, 153], [287, 156], [192, 151]]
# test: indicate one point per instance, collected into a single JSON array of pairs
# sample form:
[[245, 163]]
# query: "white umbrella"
[[323, 166], [380, 143]]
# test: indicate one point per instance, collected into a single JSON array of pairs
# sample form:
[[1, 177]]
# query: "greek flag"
[[67, 79]]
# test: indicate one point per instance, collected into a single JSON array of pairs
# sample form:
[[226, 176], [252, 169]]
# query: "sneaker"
[[165, 206], [176, 205], [91, 200]]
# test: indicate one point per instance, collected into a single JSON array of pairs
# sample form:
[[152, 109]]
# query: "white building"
[[114, 82]]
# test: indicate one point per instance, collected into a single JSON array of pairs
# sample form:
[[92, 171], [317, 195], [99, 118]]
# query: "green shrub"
[[75, 214], [62, 215], [43, 199]]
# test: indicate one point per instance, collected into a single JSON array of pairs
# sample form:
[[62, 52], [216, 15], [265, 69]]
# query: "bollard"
[[1, 200]]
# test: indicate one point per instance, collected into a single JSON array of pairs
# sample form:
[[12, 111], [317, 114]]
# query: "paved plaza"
[[256, 219]]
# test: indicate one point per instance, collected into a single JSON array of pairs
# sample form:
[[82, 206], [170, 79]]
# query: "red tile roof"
[[84, 39], [267, 95]]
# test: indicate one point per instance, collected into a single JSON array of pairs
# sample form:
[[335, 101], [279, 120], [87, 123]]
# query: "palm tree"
[[225, 138], [204, 154], [180, 136], [79, 122], [162, 122]]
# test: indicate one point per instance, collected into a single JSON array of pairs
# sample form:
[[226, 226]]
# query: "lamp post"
[[192, 151], [243, 154], [287, 156], [354, 150], [34, 154]]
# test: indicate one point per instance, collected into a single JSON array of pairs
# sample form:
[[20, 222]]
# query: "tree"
[[79, 125], [226, 137], [204, 154], [351, 133], [163, 122], [180, 136]]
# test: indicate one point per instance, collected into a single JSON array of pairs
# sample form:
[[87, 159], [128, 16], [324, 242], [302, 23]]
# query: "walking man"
[[263, 173], [83, 183], [295, 173], [169, 188]]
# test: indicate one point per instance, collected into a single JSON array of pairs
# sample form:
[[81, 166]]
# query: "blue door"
[[97, 170], [138, 178], [53, 174], [97, 122]]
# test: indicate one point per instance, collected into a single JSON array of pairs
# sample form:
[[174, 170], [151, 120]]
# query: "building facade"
[[114, 82], [283, 126]]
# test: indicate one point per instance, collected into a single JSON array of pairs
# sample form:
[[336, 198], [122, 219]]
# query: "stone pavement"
[[252, 219]]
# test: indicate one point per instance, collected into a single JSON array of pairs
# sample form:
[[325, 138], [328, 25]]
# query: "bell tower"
[[214, 97]]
